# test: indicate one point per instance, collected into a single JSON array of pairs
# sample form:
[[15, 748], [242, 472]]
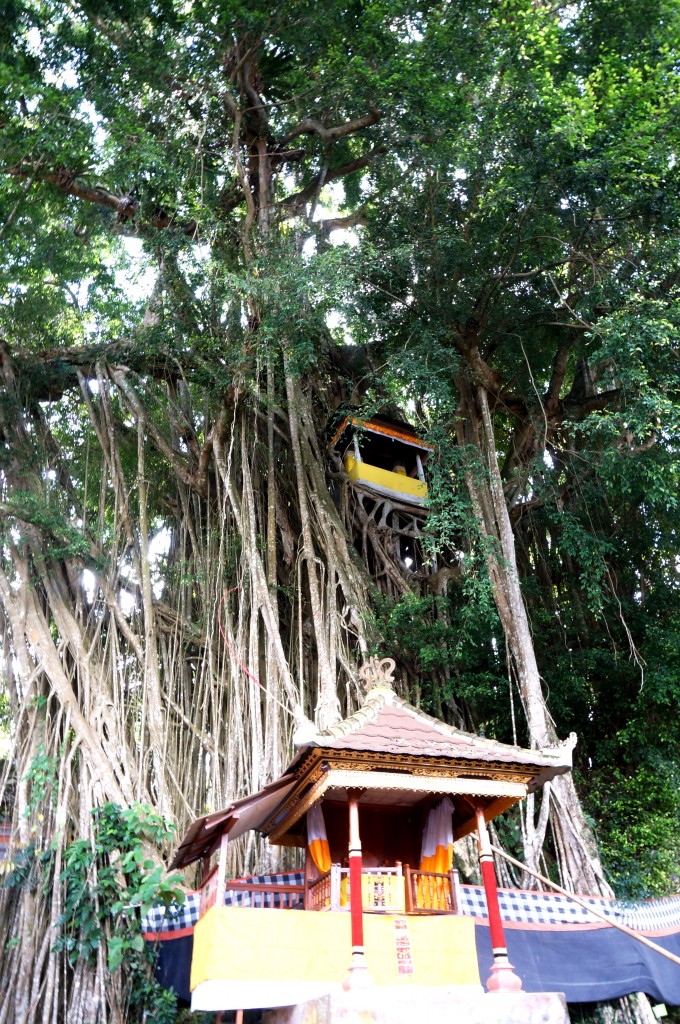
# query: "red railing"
[[386, 890], [320, 893], [244, 893]]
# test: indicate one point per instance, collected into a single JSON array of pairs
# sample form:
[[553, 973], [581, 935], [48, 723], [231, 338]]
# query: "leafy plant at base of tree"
[[109, 883]]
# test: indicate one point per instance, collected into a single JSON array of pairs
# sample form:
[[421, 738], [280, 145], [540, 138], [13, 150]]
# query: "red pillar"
[[502, 977], [358, 975]]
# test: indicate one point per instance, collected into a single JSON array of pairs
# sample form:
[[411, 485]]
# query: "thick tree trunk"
[[578, 859], [576, 849]]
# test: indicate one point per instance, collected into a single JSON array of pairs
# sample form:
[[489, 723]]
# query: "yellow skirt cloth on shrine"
[[248, 944]]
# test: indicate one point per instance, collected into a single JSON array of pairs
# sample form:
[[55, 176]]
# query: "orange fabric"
[[437, 850], [317, 840]]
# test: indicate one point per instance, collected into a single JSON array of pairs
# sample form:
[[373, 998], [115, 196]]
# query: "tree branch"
[[352, 220], [309, 126], [579, 410], [292, 205], [190, 478], [559, 371], [126, 208]]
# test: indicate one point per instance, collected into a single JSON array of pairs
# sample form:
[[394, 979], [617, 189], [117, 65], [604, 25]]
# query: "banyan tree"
[[237, 244]]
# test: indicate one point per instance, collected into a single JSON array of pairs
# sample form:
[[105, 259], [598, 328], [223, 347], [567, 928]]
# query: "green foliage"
[[449, 649], [60, 538], [590, 552], [417, 627], [41, 777], [109, 883], [26, 869], [637, 810], [450, 522], [5, 710]]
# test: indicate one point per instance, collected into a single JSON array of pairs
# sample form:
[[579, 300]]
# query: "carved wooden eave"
[[374, 785], [402, 432]]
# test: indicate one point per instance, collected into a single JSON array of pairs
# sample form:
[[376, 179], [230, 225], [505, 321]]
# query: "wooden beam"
[[491, 811]]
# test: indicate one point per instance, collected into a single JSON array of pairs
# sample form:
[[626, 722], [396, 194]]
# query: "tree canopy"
[[225, 226]]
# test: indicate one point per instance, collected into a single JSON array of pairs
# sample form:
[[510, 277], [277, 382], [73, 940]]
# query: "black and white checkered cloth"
[[516, 905], [175, 917], [551, 908], [287, 900]]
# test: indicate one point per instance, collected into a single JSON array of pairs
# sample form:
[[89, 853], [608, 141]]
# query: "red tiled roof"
[[387, 724]]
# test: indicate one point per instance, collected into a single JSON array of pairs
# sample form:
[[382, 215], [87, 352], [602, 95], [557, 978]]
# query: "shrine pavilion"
[[376, 803], [384, 458]]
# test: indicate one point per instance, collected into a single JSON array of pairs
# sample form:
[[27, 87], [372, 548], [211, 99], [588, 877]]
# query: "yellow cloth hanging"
[[317, 840]]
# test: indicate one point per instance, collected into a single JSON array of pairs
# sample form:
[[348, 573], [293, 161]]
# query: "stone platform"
[[425, 1005]]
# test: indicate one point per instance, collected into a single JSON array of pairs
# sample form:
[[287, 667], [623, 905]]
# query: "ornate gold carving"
[[355, 764], [418, 764], [469, 772], [377, 672], [313, 756], [400, 768], [343, 778], [314, 794]]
